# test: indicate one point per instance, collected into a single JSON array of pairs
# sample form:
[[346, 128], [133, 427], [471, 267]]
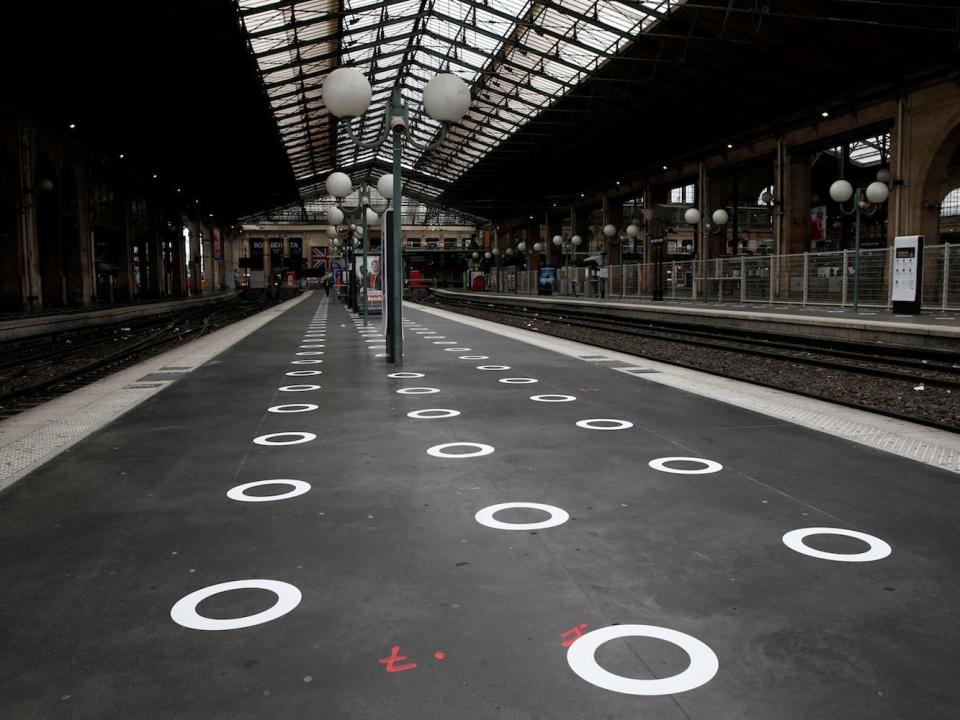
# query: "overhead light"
[[729, 146], [531, 217], [154, 176], [664, 167], [581, 195], [618, 182], [824, 114], [73, 126], [209, 214], [121, 156], [178, 189]]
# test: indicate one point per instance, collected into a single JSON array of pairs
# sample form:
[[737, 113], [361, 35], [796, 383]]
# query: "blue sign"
[[547, 277]]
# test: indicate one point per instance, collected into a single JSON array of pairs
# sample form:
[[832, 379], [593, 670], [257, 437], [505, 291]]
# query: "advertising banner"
[[217, 245], [546, 280], [320, 258]]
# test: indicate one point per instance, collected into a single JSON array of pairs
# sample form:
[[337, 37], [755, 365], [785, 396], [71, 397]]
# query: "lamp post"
[[347, 95], [567, 249], [865, 202]]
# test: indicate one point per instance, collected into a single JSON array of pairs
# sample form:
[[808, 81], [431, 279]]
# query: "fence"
[[805, 279]]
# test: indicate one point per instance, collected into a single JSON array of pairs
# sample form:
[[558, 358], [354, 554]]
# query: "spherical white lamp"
[[339, 184], [495, 252], [475, 255], [521, 246], [46, 184], [346, 93], [691, 216], [331, 231], [610, 230], [446, 97], [372, 217], [576, 240], [884, 176], [385, 186], [720, 217], [877, 192], [557, 240], [632, 230], [537, 247], [336, 242], [509, 252], [487, 255], [334, 216], [841, 191]]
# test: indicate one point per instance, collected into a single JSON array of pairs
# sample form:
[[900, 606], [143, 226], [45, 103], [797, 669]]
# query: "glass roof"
[[517, 56]]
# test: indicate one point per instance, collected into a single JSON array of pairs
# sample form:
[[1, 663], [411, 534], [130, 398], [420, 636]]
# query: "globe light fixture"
[[557, 240], [521, 247], [339, 184], [332, 231], [691, 216], [632, 230], [334, 216], [537, 247], [877, 192], [865, 202], [488, 255], [385, 186], [346, 93], [610, 230], [475, 255], [841, 191], [720, 217], [884, 175], [446, 98], [576, 240]]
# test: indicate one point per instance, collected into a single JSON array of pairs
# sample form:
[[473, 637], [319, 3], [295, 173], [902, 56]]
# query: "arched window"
[[950, 207]]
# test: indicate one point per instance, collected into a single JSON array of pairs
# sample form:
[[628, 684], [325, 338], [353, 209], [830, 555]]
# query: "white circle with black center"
[[185, 611], [305, 362], [581, 656], [405, 375], [304, 373], [493, 367], [518, 381], [440, 451], [293, 408], [709, 466], [270, 439], [239, 492], [553, 398], [298, 388], [877, 551], [474, 357], [604, 424], [311, 352], [457, 349], [417, 391], [432, 414], [558, 516]]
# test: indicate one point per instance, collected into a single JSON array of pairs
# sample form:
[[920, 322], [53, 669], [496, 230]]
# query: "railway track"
[[903, 371], [38, 369]]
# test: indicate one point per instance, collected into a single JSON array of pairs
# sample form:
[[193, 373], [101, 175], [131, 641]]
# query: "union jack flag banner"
[[320, 258]]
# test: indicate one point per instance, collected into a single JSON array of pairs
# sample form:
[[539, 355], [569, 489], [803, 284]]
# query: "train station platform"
[[930, 329], [502, 528]]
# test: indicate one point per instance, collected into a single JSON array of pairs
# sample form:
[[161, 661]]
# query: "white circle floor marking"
[[518, 381], [405, 375], [434, 336], [239, 492], [417, 391], [305, 362], [709, 466], [703, 661], [185, 611], [311, 352], [440, 450], [311, 347], [268, 440], [591, 424], [381, 355], [425, 332], [300, 407], [375, 341], [553, 398], [298, 388], [422, 414], [445, 342], [457, 349], [558, 516], [474, 357], [493, 367], [877, 551], [304, 373]]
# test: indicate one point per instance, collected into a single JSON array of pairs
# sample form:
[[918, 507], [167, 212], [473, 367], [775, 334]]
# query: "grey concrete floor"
[[99, 545]]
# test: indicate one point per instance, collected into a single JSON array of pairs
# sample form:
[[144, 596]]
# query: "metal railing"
[[804, 279]]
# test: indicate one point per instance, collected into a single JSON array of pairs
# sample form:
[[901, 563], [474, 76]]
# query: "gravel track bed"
[[924, 402]]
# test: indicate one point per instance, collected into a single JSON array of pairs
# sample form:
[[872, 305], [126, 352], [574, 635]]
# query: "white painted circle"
[[709, 466], [417, 391], [443, 413], [311, 347], [311, 352], [304, 373], [298, 388], [558, 516], [877, 551], [425, 332], [703, 661], [405, 375], [445, 342], [305, 362], [493, 367], [375, 340], [293, 408], [518, 381], [185, 611], [302, 437], [239, 492], [612, 424], [381, 355], [474, 357], [457, 349], [440, 450], [553, 398]]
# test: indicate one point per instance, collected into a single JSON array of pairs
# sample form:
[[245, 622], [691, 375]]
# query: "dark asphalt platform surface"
[[97, 547]]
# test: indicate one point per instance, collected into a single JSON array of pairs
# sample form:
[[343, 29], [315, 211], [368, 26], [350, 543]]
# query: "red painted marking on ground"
[[439, 655], [576, 631], [394, 658]]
